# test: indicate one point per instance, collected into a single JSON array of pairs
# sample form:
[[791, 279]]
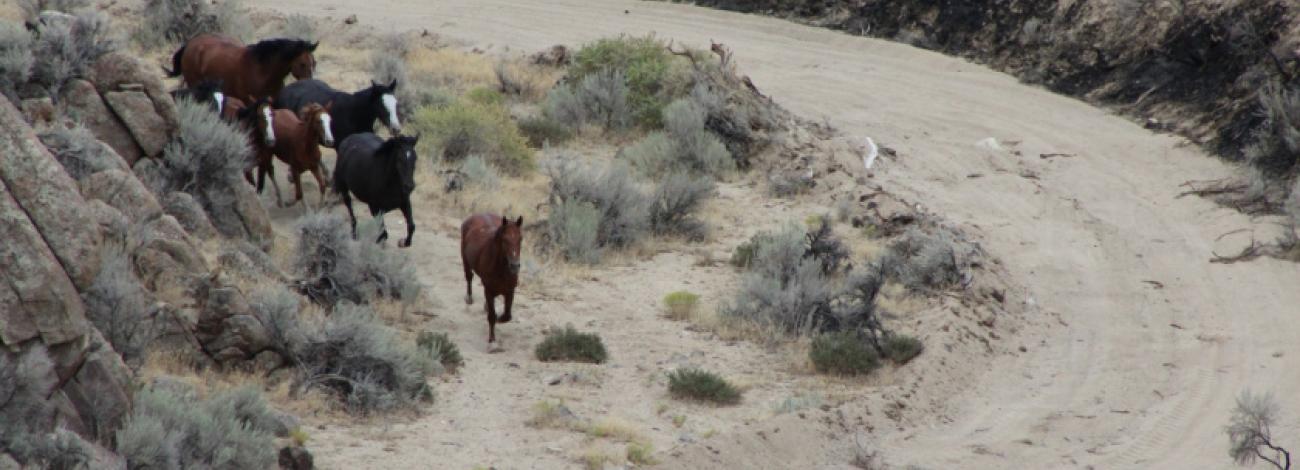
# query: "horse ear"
[[329, 105], [312, 48], [392, 86], [520, 221]]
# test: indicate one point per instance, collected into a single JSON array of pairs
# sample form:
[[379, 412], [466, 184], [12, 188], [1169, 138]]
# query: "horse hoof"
[[469, 300], [403, 244], [494, 348], [503, 319]]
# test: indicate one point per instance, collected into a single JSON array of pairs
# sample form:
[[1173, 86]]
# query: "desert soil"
[[1134, 345]]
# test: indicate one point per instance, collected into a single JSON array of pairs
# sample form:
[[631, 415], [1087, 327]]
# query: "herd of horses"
[[244, 84]]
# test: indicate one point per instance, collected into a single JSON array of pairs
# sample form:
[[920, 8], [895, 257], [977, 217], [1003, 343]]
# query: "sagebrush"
[[79, 151], [599, 99], [652, 75], [29, 433], [440, 347], [175, 21], [684, 145], [174, 429], [622, 205], [15, 58], [68, 47], [843, 353], [334, 267]]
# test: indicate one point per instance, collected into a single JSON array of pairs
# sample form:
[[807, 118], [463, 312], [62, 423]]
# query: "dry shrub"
[[68, 45], [334, 267], [28, 433], [120, 307], [297, 26], [622, 206], [440, 347], [15, 58], [843, 353], [525, 81], [176, 21], [79, 151], [450, 69], [684, 145], [599, 99], [1250, 432], [681, 305], [365, 363], [674, 204], [32, 8], [174, 429], [928, 260], [573, 229]]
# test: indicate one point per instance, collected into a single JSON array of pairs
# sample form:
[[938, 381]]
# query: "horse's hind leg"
[[469, 281], [297, 186]]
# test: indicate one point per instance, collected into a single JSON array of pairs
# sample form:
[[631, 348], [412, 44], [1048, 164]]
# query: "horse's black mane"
[[281, 49]]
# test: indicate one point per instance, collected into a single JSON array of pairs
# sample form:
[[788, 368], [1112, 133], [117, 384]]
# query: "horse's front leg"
[[410, 225], [490, 307], [320, 181], [510, 300], [352, 217], [383, 228], [297, 186]]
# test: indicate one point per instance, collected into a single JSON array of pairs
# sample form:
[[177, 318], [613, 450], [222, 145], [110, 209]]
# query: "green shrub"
[[681, 305], [542, 131], [486, 96], [843, 353], [440, 347], [469, 128], [173, 429], [15, 58], [640, 454], [653, 76], [901, 348], [700, 385], [571, 346], [176, 21]]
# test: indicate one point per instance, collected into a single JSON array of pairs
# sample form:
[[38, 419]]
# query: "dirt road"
[[1136, 374]]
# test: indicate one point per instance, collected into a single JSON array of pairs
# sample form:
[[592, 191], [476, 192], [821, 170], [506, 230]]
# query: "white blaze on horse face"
[[270, 130], [325, 125], [390, 104], [221, 101]]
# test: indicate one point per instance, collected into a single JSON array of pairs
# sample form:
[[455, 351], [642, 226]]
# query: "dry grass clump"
[[681, 305], [570, 345], [702, 386]]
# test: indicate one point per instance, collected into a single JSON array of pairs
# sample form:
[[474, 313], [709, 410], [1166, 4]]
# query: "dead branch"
[[1046, 156]]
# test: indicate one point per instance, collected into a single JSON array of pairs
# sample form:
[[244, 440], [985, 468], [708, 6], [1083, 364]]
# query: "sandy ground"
[[1126, 374]]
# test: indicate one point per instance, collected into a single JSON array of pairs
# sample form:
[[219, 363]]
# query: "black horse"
[[352, 113], [207, 92], [381, 174]]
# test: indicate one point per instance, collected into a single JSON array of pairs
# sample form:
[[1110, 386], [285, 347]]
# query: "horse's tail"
[[176, 63]]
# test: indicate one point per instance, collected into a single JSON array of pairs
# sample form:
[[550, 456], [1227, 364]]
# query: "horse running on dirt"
[[256, 121], [255, 71], [381, 174], [206, 92], [298, 138], [353, 113], [489, 247]]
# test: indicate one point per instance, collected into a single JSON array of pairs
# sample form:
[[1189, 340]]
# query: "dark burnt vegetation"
[[803, 281]]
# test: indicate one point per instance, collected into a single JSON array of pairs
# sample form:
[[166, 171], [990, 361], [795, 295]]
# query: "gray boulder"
[[137, 112], [122, 191], [81, 102], [189, 213]]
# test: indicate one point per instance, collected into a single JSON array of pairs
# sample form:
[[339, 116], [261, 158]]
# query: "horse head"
[[304, 64], [317, 118], [256, 118], [509, 236], [400, 152], [384, 104]]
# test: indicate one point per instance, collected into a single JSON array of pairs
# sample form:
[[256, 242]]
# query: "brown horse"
[[255, 71], [297, 143], [489, 247]]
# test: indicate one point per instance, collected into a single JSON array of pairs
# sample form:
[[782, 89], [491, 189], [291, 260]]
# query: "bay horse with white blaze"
[[489, 247], [255, 71], [353, 113], [298, 138], [381, 173]]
